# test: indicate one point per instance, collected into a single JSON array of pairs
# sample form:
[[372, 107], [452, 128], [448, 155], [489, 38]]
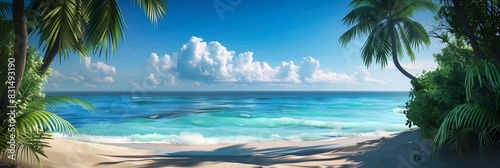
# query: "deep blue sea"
[[198, 118]]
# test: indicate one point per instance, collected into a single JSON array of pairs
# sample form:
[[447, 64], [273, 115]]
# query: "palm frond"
[[369, 15], [487, 135], [43, 120], [61, 23], [492, 75], [415, 6], [5, 8], [154, 9], [406, 42], [104, 26], [355, 31], [415, 32], [470, 81], [377, 46], [362, 14], [28, 146], [463, 116], [399, 46], [6, 31], [359, 3], [52, 103]]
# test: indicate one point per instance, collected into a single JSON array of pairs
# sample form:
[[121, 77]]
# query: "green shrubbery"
[[436, 93], [458, 103], [33, 121]]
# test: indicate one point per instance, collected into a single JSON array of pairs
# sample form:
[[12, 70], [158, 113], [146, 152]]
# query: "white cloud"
[[311, 73], [89, 85], [91, 75], [364, 75], [162, 68], [98, 72], [134, 84], [152, 80], [203, 63]]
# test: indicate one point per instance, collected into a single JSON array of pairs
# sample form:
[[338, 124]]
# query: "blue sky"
[[254, 45]]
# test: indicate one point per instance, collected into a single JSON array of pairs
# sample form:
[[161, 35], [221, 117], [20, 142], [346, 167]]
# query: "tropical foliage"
[[479, 116], [457, 104], [483, 17], [478, 21], [88, 27], [65, 26], [33, 121], [389, 29], [436, 93]]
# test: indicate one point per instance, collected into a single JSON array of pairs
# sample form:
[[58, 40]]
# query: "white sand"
[[390, 151]]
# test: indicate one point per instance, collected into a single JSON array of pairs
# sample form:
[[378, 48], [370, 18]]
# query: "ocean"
[[203, 118]]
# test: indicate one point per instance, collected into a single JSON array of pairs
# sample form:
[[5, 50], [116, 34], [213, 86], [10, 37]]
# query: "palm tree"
[[389, 27], [83, 26]]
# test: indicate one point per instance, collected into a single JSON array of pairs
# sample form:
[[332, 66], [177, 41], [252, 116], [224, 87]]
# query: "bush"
[[33, 121], [478, 120], [436, 93]]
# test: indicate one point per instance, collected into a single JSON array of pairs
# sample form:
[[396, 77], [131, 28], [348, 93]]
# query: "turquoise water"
[[197, 118]]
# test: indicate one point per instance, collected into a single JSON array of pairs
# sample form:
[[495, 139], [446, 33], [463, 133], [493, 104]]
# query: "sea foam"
[[398, 110]]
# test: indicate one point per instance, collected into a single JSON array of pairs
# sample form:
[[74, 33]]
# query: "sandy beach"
[[399, 150]]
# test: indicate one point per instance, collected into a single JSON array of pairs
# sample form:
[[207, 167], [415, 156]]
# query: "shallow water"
[[197, 118]]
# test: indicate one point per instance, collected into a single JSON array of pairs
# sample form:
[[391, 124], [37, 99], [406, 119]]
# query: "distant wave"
[[285, 121], [184, 138], [398, 110], [195, 138], [362, 134]]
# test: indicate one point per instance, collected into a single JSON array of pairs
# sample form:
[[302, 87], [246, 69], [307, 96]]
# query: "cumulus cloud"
[[162, 68], [98, 72], [134, 84], [91, 75], [364, 75], [204, 63], [152, 80], [311, 73]]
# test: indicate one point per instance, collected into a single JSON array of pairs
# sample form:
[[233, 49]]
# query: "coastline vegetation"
[[456, 105], [86, 27]]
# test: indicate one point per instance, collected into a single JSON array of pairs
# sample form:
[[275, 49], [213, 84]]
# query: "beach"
[[399, 150], [243, 129], [373, 151]]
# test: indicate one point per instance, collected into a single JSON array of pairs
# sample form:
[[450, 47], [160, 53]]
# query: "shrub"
[[478, 120], [33, 121], [436, 93]]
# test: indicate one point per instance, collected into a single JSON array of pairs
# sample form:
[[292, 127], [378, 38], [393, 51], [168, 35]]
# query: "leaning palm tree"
[[389, 27], [65, 26]]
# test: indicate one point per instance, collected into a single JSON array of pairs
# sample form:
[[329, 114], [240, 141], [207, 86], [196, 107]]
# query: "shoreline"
[[337, 152], [375, 151]]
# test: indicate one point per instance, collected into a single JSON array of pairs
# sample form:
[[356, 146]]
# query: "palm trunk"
[[468, 30], [495, 53], [395, 54], [49, 57], [20, 44]]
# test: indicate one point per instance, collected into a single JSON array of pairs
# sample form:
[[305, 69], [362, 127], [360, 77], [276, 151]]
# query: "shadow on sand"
[[405, 150]]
